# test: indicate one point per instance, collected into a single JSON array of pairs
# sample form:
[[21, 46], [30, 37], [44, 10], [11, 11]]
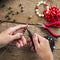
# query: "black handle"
[[30, 35]]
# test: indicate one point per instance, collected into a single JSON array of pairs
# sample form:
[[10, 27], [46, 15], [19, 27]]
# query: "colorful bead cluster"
[[37, 8], [53, 14]]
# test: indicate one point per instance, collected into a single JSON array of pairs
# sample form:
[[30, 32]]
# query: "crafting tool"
[[55, 24], [30, 35], [49, 38], [49, 30]]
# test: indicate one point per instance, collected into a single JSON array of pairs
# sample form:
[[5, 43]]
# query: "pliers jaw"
[[39, 25]]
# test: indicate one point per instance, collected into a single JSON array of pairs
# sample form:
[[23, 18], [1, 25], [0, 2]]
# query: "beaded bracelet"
[[37, 8]]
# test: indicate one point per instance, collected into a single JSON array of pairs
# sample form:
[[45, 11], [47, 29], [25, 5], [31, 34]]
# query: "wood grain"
[[13, 53]]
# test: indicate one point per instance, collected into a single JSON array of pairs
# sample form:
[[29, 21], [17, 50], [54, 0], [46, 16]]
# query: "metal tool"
[[49, 30], [30, 35], [49, 38]]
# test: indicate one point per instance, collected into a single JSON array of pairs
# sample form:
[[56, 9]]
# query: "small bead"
[[13, 14], [22, 10], [30, 17], [54, 47], [48, 38], [17, 12], [10, 12], [36, 10], [37, 7], [51, 39], [20, 5], [42, 15], [47, 7], [44, 2], [6, 16], [9, 8], [14, 20], [37, 13], [41, 2]]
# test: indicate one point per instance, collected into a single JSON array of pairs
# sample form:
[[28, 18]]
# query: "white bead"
[[41, 2], [39, 15], [36, 10], [51, 39], [44, 2], [42, 15], [47, 7], [48, 38], [54, 47]]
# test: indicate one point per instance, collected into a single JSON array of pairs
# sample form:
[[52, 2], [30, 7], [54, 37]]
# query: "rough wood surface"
[[13, 53]]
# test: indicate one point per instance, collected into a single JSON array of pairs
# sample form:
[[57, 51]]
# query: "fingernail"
[[34, 35]]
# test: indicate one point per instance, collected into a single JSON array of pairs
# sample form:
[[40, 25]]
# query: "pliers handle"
[[55, 24], [30, 35], [49, 30]]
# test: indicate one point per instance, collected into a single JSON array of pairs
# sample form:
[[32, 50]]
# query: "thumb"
[[35, 40], [17, 36]]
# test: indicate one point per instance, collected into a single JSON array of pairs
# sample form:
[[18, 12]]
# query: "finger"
[[30, 44], [28, 40], [21, 43], [16, 36], [13, 29], [18, 44], [35, 40], [12, 43], [24, 40], [32, 49], [41, 39]]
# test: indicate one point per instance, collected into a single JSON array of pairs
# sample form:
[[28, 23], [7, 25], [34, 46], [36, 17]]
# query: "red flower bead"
[[52, 14]]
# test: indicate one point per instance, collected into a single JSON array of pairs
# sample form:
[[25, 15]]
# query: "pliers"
[[49, 30], [31, 35], [55, 24], [49, 38]]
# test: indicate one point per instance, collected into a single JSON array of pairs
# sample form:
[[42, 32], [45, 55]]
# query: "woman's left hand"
[[10, 35]]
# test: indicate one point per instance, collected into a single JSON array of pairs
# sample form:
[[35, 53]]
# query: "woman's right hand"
[[42, 47]]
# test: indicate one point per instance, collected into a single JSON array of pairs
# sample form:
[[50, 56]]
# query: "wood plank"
[[13, 53]]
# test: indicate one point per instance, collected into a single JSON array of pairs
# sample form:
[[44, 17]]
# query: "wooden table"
[[11, 52]]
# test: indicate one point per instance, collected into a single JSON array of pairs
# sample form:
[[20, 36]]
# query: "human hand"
[[42, 47], [10, 36]]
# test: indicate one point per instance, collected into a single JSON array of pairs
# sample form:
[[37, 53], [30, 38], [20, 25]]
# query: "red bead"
[[45, 4], [37, 7]]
